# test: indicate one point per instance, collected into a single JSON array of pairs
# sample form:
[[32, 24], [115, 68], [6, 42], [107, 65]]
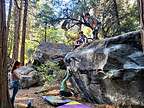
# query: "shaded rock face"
[[121, 59], [50, 51]]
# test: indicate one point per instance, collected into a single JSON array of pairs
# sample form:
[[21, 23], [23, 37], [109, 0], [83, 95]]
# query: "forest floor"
[[24, 95]]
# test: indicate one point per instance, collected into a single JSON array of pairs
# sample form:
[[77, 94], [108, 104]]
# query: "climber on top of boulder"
[[81, 40], [93, 23]]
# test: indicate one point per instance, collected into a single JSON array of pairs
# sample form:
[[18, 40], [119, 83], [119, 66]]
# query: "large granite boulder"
[[50, 51], [120, 58]]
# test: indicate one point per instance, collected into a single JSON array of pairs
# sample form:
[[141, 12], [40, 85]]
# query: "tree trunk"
[[17, 24], [24, 32], [141, 11], [45, 32], [66, 34], [118, 31], [10, 45], [4, 95], [9, 17], [8, 24], [79, 25]]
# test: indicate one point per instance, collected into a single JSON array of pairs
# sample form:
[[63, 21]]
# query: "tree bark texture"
[[9, 17], [17, 24], [117, 17], [8, 23], [141, 11], [4, 94], [22, 57]]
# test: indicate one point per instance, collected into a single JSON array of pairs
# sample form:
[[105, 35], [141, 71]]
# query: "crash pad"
[[74, 104], [20, 105], [56, 100]]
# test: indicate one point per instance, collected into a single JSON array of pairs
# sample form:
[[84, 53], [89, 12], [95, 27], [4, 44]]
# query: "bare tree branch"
[[16, 3], [73, 19], [36, 41]]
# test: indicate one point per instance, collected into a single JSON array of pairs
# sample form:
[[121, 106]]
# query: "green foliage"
[[47, 13], [131, 22], [55, 35], [119, 17], [31, 46], [51, 72]]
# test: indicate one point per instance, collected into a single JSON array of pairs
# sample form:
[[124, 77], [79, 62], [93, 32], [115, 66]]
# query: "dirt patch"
[[25, 94]]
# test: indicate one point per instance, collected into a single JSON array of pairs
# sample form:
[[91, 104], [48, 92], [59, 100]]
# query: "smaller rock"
[[24, 70], [29, 80], [28, 77]]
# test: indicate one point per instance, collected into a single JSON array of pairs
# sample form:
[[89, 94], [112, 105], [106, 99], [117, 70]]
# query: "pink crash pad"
[[74, 104]]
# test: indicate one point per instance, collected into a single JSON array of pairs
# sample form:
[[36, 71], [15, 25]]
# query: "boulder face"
[[28, 77], [122, 61], [50, 51]]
